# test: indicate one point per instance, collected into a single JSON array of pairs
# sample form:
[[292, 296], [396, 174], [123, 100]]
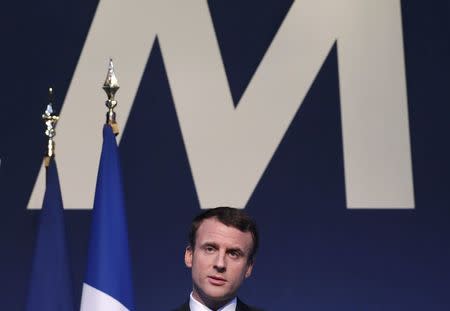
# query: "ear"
[[188, 257], [249, 270]]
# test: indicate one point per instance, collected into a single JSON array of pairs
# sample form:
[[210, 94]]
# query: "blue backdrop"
[[315, 253]]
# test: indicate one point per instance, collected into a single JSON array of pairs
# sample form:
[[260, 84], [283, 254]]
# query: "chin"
[[218, 294]]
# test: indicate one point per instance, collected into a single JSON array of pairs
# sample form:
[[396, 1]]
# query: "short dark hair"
[[231, 217]]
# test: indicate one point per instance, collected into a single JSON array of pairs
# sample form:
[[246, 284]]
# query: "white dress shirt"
[[196, 305]]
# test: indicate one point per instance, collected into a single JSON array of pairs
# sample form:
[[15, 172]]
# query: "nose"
[[220, 262]]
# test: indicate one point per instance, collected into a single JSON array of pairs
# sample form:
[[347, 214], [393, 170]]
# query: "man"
[[221, 253]]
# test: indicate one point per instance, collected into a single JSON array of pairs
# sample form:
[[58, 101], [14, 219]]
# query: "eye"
[[209, 249], [234, 254]]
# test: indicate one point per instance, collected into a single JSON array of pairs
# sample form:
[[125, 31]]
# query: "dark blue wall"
[[316, 254]]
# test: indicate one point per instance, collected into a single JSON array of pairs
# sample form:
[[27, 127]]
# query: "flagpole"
[[50, 285], [108, 282]]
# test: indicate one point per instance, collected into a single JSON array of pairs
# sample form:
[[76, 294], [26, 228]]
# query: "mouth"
[[216, 280]]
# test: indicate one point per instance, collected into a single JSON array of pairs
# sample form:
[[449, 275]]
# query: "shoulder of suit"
[[243, 307], [183, 307]]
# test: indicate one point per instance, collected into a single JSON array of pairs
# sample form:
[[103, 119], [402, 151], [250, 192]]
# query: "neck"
[[210, 303]]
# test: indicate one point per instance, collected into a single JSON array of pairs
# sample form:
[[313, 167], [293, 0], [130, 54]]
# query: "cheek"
[[199, 262], [239, 271]]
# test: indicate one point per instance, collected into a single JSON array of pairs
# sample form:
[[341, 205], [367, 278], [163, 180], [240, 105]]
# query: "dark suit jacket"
[[239, 307]]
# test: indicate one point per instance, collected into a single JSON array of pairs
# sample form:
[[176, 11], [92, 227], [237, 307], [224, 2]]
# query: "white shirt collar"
[[196, 305]]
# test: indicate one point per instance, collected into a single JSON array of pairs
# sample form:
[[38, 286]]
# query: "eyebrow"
[[231, 249], [209, 244]]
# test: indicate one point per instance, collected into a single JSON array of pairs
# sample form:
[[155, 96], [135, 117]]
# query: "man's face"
[[219, 261]]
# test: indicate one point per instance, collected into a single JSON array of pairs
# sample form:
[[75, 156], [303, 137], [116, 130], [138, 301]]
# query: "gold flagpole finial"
[[111, 86], [50, 120]]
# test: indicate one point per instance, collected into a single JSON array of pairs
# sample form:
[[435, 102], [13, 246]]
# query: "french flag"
[[50, 287], [108, 285]]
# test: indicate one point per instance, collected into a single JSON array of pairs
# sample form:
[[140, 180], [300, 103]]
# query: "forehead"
[[212, 230]]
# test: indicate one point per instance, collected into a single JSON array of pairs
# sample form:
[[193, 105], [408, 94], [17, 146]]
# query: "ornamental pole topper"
[[50, 120], [111, 86]]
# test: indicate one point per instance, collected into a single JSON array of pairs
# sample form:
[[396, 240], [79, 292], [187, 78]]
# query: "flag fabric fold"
[[50, 286], [108, 284]]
